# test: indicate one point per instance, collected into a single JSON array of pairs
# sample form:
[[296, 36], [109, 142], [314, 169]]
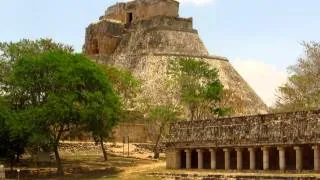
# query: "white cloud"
[[263, 78]]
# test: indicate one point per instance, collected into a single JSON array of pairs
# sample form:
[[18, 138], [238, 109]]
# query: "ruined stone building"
[[143, 35], [287, 141]]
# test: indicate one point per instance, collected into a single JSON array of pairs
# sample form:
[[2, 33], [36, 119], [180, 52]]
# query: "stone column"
[[226, 158], [178, 159], [252, 158], [200, 158], [282, 158], [188, 158], [213, 159], [239, 158], [298, 158], [265, 151], [316, 157]]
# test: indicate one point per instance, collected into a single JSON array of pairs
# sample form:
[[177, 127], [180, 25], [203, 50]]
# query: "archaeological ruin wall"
[[272, 129], [134, 11], [286, 141]]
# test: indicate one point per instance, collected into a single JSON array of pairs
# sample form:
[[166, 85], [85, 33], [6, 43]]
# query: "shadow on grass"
[[77, 167]]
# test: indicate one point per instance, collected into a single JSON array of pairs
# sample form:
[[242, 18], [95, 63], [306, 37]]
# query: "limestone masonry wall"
[[273, 129], [161, 41], [165, 21], [103, 37], [136, 132], [141, 10]]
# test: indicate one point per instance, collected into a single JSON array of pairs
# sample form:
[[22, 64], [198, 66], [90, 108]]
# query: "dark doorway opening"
[[245, 159], [259, 159], [220, 159], [290, 156], [206, 159], [194, 159], [129, 18], [233, 159], [183, 160], [307, 157], [273, 158]]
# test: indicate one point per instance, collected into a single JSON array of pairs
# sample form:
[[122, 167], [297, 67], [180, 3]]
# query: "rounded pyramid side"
[[239, 95], [152, 71]]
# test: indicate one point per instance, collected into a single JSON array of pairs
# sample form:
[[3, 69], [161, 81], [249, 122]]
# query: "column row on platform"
[[304, 157]]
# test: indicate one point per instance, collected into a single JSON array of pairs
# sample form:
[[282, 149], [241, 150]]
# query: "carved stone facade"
[[143, 35], [273, 141]]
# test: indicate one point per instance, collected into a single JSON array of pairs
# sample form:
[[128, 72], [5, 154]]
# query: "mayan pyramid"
[[142, 35]]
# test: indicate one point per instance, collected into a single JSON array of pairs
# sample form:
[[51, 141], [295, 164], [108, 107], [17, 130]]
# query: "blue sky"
[[251, 33]]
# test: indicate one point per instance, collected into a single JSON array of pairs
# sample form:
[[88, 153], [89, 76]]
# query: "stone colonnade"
[[266, 160]]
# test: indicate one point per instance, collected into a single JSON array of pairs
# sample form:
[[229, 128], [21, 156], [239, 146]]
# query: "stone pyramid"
[[143, 35]]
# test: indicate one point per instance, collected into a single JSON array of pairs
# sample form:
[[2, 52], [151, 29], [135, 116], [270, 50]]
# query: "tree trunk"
[[56, 152], [156, 149], [18, 158], [11, 162], [192, 115], [103, 149], [58, 161]]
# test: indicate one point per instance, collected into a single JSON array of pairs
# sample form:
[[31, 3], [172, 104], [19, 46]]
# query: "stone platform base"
[[235, 176]]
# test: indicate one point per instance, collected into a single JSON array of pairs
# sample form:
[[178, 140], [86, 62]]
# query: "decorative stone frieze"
[[271, 129]]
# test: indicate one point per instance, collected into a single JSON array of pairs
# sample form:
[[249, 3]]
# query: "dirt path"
[[141, 168]]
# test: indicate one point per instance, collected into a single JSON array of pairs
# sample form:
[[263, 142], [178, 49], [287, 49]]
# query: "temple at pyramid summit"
[[143, 35]]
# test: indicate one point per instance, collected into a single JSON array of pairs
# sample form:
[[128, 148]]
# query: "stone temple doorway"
[[307, 157], [273, 158], [129, 18], [183, 160], [206, 159], [220, 158], [194, 159]]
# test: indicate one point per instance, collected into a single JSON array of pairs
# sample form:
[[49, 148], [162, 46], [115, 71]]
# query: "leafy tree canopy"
[[124, 83], [302, 89], [161, 116], [12, 51], [199, 86], [56, 91]]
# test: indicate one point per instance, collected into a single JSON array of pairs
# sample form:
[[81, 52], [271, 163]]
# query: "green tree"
[[59, 91], [12, 141], [101, 116], [200, 89], [124, 83], [160, 116], [11, 51], [302, 89], [127, 87]]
